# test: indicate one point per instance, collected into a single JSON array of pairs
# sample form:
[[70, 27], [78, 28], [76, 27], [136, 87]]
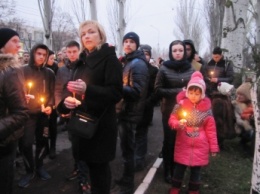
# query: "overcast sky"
[[152, 20]]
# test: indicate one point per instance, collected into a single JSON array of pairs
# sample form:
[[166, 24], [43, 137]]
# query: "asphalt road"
[[63, 164]]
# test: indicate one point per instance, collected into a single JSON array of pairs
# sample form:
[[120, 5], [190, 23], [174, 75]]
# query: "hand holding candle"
[[42, 104], [183, 121], [29, 87]]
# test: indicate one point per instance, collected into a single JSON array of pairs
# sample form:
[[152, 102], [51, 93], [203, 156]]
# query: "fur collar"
[[8, 61]]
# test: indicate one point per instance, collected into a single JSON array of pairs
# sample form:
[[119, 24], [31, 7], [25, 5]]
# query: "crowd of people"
[[88, 80]]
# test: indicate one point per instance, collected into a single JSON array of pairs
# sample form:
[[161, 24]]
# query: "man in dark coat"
[[53, 65], [39, 82], [142, 127], [135, 85], [217, 70], [13, 110]]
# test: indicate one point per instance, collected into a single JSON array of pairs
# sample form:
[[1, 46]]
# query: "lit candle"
[[211, 74], [29, 86], [42, 103], [183, 120]]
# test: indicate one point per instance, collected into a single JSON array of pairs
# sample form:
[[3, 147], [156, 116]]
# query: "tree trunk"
[[255, 182], [234, 31], [121, 27], [258, 23], [93, 9]]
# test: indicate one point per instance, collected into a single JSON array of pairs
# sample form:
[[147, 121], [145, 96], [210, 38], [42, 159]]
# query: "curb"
[[149, 177]]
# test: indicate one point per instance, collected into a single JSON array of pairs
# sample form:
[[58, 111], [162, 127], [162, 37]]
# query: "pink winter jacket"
[[198, 138]]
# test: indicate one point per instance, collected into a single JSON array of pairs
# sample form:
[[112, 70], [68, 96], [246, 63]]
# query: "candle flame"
[[184, 113], [42, 100], [30, 84], [212, 72]]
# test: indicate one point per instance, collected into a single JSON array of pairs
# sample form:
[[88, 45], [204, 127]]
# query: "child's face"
[[194, 96], [241, 98]]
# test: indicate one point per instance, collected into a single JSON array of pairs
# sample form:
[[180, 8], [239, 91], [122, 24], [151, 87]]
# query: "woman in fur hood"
[[244, 111], [13, 111]]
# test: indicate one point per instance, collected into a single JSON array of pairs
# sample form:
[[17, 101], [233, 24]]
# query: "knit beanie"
[[217, 51], [146, 48], [5, 35], [133, 36], [224, 88], [197, 80], [244, 89]]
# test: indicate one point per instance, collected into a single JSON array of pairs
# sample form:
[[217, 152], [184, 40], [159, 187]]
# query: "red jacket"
[[195, 141]]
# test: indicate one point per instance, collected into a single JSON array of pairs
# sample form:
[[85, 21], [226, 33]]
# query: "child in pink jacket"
[[196, 133]]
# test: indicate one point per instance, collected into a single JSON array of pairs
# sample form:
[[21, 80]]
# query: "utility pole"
[[158, 40], [46, 11], [93, 9]]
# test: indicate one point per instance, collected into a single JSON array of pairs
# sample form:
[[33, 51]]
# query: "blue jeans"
[[127, 132], [7, 170]]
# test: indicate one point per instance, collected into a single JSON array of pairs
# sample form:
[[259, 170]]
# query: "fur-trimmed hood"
[[8, 61]]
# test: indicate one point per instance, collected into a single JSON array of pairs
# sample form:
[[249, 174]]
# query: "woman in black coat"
[[172, 77], [97, 84]]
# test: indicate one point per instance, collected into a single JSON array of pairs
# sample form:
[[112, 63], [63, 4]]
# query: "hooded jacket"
[[195, 141], [172, 77], [13, 111], [42, 79]]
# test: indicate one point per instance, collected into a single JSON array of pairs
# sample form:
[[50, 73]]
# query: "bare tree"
[[214, 14], [234, 31], [80, 8], [7, 9], [119, 16], [188, 21], [46, 8], [63, 30]]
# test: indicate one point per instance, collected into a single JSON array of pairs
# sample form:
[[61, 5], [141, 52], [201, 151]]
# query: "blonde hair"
[[100, 29]]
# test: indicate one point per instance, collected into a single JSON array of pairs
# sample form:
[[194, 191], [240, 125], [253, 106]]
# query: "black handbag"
[[83, 124]]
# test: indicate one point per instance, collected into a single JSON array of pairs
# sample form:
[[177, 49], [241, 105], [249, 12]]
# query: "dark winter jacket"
[[64, 74], [43, 80], [135, 86], [102, 73], [223, 70], [54, 67], [13, 110]]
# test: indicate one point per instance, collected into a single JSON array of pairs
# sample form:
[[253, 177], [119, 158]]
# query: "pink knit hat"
[[197, 80]]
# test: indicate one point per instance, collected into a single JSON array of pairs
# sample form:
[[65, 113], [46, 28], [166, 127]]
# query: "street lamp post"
[[158, 37]]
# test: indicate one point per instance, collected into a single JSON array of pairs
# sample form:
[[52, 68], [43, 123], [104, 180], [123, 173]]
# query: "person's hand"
[[213, 154], [78, 86], [182, 123], [47, 110], [214, 80], [71, 102]]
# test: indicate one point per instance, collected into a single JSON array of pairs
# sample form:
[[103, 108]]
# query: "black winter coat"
[[64, 74], [169, 82], [43, 80], [135, 86], [102, 72], [13, 111], [223, 70]]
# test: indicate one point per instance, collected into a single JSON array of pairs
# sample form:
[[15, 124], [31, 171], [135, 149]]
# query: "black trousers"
[[169, 137], [7, 170], [142, 133], [53, 129], [100, 177], [180, 169], [33, 131]]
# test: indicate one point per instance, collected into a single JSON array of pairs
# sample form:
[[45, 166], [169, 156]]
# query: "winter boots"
[[194, 187], [176, 185]]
